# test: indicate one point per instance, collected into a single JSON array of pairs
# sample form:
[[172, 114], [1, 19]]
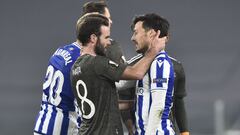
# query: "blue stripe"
[[140, 121], [140, 83], [150, 103], [159, 74], [140, 105], [164, 127], [65, 123], [52, 120], [43, 118], [168, 100]]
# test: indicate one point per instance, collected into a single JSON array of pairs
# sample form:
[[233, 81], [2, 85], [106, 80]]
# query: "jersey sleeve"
[[159, 75], [107, 68], [180, 90]]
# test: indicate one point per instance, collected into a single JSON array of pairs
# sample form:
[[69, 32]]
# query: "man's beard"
[[99, 49]]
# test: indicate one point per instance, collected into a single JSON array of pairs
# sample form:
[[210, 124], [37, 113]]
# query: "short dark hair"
[[94, 6], [90, 24], [153, 21]]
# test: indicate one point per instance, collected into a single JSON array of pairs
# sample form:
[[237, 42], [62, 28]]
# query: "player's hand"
[[157, 43], [184, 133]]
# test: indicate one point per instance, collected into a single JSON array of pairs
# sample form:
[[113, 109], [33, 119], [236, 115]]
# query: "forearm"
[[155, 114], [125, 104], [138, 70], [181, 116], [154, 119], [184, 133], [128, 120]]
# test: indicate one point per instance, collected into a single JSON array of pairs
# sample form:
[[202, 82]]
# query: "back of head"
[[153, 21], [90, 24], [93, 6]]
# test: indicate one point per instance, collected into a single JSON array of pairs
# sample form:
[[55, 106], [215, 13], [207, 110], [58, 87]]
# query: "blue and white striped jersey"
[[58, 114], [154, 97]]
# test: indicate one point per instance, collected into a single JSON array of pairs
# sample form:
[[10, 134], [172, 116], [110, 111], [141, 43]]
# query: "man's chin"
[[139, 51]]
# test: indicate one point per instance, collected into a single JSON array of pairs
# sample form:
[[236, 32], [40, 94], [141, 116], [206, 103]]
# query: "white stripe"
[[153, 74], [76, 44], [137, 116], [146, 100], [58, 122], [47, 119], [160, 130], [145, 104], [36, 133], [173, 58], [40, 117], [73, 125], [170, 129], [134, 58]]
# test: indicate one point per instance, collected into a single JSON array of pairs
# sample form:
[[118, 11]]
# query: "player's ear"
[[167, 37], [93, 38], [152, 33]]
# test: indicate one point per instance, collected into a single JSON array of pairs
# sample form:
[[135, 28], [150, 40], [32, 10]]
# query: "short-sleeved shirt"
[[93, 85]]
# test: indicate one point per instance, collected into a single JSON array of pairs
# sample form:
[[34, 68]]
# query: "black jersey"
[[178, 113], [179, 75], [93, 85], [114, 52]]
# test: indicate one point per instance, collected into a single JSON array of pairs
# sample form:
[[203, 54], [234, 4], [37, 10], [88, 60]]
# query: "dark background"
[[204, 37]]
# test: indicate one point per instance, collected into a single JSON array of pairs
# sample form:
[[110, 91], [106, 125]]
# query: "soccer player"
[[57, 114], [113, 51], [154, 92], [126, 91], [93, 76]]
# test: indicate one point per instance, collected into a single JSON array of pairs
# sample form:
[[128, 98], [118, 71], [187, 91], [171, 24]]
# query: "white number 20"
[[54, 78]]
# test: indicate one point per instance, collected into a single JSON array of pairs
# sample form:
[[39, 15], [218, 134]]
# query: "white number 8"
[[52, 77], [84, 99]]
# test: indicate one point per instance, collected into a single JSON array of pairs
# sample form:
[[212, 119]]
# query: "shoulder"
[[174, 60], [114, 44], [68, 50], [135, 59], [178, 67], [72, 48], [84, 61]]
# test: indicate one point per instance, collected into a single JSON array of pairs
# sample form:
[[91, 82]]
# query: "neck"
[[88, 49]]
